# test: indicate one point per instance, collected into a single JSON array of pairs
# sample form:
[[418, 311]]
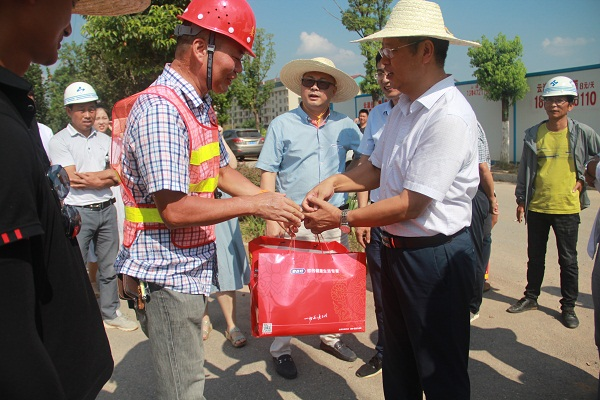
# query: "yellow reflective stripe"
[[142, 215], [206, 186], [204, 153]]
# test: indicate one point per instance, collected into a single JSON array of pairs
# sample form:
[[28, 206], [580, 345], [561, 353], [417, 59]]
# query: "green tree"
[[221, 103], [366, 17], [72, 58], [35, 76], [249, 89], [129, 52], [501, 74]]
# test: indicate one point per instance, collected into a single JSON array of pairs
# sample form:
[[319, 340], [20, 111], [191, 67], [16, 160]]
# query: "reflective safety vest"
[[204, 154]]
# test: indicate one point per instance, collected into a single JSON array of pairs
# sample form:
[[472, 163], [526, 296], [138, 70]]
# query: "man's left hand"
[[323, 218]]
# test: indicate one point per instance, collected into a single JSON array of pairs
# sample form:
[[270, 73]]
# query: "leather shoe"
[[339, 350], [524, 304], [372, 368], [285, 366], [569, 319]]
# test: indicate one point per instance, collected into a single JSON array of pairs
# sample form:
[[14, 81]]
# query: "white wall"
[[530, 111]]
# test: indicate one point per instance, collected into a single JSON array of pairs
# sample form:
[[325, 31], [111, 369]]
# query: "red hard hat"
[[232, 18]]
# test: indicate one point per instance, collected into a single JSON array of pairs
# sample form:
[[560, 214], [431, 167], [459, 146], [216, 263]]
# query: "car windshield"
[[248, 134]]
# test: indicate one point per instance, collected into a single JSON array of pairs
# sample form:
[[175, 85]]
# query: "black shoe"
[[486, 286], [340, 350], [569, 319], [524, 304], [372, 368], [285, 366]]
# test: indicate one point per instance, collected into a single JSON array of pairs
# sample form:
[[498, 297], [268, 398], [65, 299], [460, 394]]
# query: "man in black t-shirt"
[[52, 343]]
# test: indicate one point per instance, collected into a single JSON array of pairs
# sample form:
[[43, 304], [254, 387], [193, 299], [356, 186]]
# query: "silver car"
[[244, 142]]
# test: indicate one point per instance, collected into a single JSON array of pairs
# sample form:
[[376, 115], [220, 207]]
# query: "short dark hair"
[[440, 48], [377, 59], [363, 111]]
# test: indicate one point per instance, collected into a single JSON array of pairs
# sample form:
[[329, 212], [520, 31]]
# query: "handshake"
[[285, 217]]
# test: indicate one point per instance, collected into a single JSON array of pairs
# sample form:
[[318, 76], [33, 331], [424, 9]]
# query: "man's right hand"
[[520, 212], [363, 236]]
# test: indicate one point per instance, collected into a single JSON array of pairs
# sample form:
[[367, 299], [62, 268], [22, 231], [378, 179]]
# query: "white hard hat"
[[560, 86], [79, 92]]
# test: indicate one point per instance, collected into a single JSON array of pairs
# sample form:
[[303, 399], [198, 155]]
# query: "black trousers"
[[566, 230], [426, 294]]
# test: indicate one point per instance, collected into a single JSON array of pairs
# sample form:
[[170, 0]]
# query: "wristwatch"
[[344, 225]]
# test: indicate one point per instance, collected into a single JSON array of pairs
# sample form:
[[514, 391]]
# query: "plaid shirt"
[[156, 157], [483, 151]]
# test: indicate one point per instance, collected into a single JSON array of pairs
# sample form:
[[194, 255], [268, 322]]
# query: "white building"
[[530, 111], [527, 112]]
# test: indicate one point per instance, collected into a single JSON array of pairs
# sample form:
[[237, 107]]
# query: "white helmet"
[[560, 86], [79, 92]]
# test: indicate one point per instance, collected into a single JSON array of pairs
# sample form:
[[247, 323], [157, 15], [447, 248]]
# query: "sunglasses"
[[60, 185], [322, 85]]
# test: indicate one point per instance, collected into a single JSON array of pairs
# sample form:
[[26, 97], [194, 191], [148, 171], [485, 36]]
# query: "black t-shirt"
[[52, 341]]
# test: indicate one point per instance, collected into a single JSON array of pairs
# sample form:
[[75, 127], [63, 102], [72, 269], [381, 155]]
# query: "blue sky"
[[555, 34]]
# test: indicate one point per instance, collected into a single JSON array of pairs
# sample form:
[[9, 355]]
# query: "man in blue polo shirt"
[[303, 147]]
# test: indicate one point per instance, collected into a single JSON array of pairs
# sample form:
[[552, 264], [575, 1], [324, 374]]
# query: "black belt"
[[419, 242], [99, 206]]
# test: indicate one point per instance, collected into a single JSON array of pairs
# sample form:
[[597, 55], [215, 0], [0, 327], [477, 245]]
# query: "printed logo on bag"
[[323, 271], [297, 271]]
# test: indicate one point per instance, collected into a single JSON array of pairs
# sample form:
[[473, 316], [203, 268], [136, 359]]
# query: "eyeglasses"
[[322, 85], [389, 53], [559, 101], [382, 74], [60, 185]]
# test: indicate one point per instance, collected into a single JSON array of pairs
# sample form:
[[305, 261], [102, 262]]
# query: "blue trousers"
[[426, 294], [373, 252], [596, 299], [480, 229]]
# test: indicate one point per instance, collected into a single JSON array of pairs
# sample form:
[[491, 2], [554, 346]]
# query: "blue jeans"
[[173, 323], [426, 294], [481, 213], [373, 251], [100, 227], [566, 230]]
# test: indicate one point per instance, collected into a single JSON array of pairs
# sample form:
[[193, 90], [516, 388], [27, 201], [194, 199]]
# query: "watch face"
[[345, 229]]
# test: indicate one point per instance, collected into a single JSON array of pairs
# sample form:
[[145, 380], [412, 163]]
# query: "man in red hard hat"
[[173, 159]]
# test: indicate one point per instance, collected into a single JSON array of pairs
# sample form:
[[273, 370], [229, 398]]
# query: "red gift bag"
[[306, 288]]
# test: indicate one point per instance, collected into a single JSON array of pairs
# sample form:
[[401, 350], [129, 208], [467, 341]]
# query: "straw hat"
[[110, 7], [411, 18], [292, 72]]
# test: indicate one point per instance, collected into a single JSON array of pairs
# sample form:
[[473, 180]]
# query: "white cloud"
[[565, 46], [314, 45]]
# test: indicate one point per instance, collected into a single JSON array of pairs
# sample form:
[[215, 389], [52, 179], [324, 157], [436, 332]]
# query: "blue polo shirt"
[[303, 155]]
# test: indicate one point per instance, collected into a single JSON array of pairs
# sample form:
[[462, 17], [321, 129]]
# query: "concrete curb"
[[504, 177]]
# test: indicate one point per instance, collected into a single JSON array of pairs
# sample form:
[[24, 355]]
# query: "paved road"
[[523, 356]]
